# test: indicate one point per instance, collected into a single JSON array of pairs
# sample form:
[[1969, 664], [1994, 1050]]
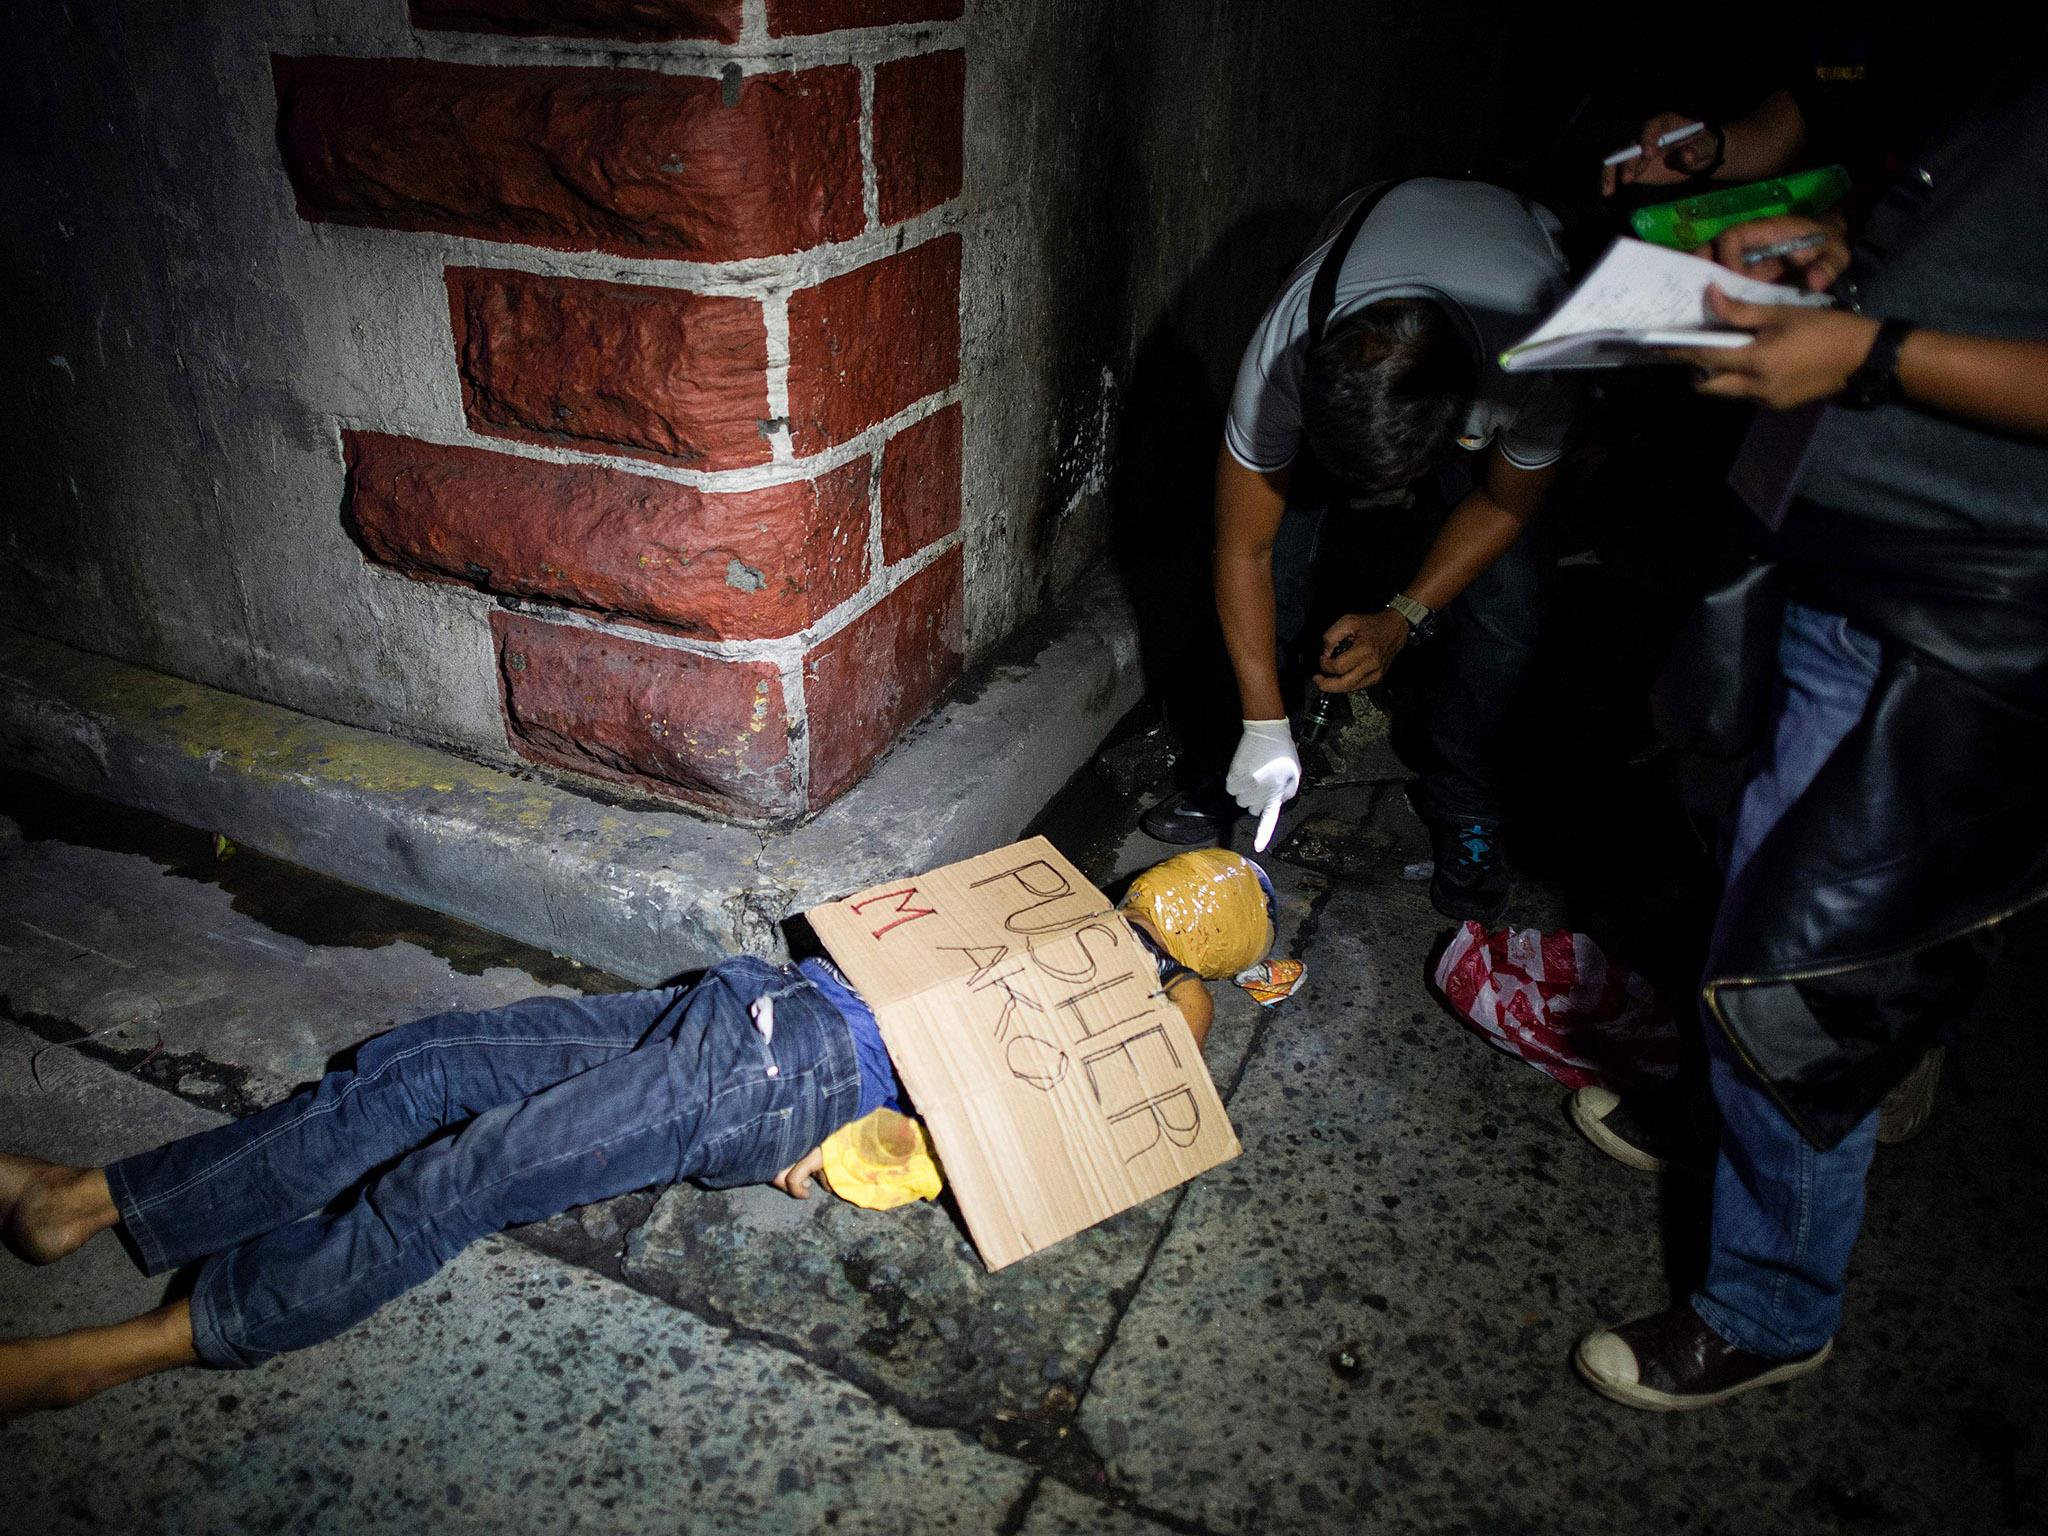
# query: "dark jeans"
[[1487, 638], [1786, 1216], [465, 1123]]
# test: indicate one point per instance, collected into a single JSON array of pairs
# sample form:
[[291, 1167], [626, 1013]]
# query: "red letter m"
[[902, 899]]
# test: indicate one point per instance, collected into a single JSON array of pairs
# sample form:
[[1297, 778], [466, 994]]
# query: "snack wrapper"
[[1271, 982]]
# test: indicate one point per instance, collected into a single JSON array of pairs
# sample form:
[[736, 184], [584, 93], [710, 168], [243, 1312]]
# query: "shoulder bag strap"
[[1322, 296]]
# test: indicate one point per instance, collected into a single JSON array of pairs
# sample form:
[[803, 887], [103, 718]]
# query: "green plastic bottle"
[[1693, 221]]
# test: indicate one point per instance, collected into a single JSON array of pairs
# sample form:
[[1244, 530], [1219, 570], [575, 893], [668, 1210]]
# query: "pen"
[[1664, 141], [1779, 248]]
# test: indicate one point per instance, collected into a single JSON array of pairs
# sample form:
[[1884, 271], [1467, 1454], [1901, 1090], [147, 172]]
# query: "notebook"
[[1640, 298]]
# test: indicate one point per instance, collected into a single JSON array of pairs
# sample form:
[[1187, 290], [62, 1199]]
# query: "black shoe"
[[1199, 815], [1470, 880], [1673, 1361]]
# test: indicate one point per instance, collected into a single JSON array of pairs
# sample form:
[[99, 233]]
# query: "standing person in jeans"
[[1378, 361], [311, 1214], [1892, 815]]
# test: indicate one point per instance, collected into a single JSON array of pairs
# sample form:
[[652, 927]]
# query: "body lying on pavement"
[[306, 1217]]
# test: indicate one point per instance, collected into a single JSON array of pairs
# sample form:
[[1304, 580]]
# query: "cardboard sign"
[[1058, 1083]]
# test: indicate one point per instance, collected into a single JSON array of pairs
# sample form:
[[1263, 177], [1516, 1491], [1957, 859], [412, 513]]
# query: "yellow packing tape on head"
[[881, 1161], [1211, 908]]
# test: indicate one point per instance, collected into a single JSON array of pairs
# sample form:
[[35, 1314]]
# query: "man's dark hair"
[[1385, 390]]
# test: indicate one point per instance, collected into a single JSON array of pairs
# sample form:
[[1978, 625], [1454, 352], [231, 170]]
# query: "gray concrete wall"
[[181, 350], [1141, 174]]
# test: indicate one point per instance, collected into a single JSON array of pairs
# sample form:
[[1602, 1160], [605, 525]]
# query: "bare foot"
[[48, 1210], [65, 1369]]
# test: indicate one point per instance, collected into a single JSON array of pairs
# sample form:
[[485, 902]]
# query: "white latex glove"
[[1265, 770]]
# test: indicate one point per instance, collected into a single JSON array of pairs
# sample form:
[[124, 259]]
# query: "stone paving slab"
[[1057, 1510], [511, 1393], [117, 947], [1366, 1322], [899, 1302]]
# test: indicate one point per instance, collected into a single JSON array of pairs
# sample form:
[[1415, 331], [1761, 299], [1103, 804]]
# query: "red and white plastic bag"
[[1561, 1004]]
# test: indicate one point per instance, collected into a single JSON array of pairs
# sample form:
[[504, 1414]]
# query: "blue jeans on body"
[[1487, 635], [1784, 1214], [465, 1123]]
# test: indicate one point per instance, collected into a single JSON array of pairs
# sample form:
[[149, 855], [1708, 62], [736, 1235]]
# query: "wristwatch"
[[1420, 616], [1876, 381]]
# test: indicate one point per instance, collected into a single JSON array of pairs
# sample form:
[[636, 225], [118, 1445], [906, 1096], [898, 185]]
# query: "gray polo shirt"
[[1484, 253]]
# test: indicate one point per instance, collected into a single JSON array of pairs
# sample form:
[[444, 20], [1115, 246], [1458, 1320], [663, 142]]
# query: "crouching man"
[[1372, 368]]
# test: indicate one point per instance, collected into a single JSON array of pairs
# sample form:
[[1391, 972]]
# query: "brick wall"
[[717, 492]]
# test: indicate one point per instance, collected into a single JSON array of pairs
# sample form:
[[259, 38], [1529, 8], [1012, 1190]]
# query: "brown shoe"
[[1674, 1361]]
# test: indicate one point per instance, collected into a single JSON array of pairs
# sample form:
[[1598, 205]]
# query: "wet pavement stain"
[[1373, 843], [285, 898], [896, 1303], [137, 1050]]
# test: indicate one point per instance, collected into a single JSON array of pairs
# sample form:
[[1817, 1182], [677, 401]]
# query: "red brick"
[[790, 18], [621, 160], [635, 21], [612, 367], [865, 345], [921, 484], [719, 566], [867, 683], [702, 729], [920, 109]]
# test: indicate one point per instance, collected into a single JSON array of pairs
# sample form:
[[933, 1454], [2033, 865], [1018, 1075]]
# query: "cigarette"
[[1664, 141]]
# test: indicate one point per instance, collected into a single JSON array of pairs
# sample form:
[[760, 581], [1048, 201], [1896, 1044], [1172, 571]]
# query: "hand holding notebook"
[[1638, 299]]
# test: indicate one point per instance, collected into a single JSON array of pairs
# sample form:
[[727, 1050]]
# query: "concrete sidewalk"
[[1361, 1324], [635, 885]]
